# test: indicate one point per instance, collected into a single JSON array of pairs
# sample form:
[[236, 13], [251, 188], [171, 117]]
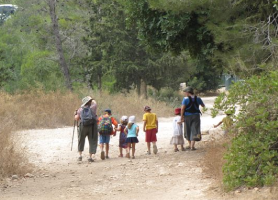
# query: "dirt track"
[[167, 175]]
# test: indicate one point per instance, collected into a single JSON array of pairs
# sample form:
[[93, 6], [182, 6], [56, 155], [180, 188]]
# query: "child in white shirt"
[[177, 138]]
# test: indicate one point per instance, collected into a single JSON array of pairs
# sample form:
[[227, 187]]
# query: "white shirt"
[[177, 127]]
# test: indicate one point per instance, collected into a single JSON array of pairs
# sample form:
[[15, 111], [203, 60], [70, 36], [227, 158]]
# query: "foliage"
[[164, 30], [252, 158]]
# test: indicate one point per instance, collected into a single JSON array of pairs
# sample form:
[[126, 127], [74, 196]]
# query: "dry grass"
[[213, 160], [12, 157], [36, 109]]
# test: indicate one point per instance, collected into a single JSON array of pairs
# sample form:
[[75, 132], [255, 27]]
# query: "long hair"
[[129, 125], [124, 122]]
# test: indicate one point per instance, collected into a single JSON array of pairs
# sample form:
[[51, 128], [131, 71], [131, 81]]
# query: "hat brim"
[[86, 102]]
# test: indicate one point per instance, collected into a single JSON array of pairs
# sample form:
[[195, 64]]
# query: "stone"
[[14, 177], [29, 175]]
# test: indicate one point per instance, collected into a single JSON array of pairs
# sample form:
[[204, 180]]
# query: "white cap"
[[131, 119], [124, 118]]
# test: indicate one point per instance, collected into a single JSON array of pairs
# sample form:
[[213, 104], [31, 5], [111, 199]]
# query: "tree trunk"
[[144, 89], [58, 41], [99, 84], [138, 87]]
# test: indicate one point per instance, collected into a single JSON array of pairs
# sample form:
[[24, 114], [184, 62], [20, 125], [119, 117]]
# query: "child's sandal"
[[120, 156], [176, 150]]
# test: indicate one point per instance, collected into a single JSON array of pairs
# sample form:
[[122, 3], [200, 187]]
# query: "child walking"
[[177, 138], [227, 122], [150, 126], [122, 136], [105, 130], [132, 131]]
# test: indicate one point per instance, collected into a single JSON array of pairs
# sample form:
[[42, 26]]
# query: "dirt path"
[[167, 175]]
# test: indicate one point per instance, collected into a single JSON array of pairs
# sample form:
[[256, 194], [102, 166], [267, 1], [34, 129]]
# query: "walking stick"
[[73, 133]]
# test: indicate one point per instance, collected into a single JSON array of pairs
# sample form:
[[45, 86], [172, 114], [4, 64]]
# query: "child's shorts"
[[151, 135], [104, 139]]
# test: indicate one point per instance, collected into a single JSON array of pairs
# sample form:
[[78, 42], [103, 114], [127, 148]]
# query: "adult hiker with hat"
[[190, 114], [87, 118]]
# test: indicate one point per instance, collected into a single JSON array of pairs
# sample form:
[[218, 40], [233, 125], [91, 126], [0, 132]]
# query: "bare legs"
[[131, 146]]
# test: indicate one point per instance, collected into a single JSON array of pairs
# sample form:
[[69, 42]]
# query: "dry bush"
[[131, 104], [12, 156], [213, 160]]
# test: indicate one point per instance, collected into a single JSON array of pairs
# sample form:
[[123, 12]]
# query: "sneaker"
[[90, 160], [102, 156], [154, 149], [79, 158]]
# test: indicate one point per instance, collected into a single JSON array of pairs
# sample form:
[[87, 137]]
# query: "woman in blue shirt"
[[190, 114]]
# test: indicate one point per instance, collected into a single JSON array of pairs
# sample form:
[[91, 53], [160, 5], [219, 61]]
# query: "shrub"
[[252, 157]]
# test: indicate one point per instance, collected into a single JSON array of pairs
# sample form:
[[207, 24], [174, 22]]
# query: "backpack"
[[105, 126], [193, 106], [87, 117]]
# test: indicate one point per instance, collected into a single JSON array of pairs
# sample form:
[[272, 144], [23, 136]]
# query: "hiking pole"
[[74, 122], [73, 134]]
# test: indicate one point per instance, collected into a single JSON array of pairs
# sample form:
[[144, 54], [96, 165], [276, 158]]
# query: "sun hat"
[[108, 111], [147, 108], [85, 100], [124, 118], [189, 90], [229, 112], [177, 111], [131, 119]]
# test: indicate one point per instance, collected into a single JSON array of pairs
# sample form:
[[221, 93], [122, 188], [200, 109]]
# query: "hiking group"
[[102, 128]]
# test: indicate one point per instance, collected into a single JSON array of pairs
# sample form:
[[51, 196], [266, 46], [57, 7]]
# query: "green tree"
[[169, 30]]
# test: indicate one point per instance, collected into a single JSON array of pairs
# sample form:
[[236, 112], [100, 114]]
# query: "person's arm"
[[156, 124], [118, 128], [217, 124], [77, 115], [144, 126], [137, 130], [182, 112], [125, 131]]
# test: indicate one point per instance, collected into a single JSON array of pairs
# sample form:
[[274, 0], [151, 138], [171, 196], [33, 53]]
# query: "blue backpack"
[[87, 117]]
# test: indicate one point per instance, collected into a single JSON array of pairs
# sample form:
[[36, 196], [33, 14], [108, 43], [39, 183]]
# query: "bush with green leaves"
[[252, 156]]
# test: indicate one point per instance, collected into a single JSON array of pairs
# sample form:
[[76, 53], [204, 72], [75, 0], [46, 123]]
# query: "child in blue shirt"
[[132, 131]]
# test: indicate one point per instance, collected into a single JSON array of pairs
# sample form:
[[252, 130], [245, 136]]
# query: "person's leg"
[[101, 145], [187, 130], [121, 152], [133, 150], [195, 129], [149, 147], [107, 149], [128, 150], [81, 141], [154, 139], [175, 147], [93, 140]]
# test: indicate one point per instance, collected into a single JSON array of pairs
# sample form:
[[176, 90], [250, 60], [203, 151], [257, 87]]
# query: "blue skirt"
[[132, 140]]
